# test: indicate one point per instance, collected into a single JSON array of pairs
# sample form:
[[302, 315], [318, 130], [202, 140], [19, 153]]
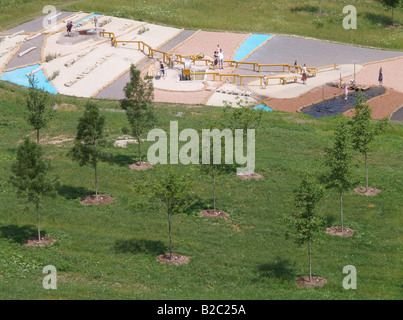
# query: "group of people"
[[69, 25], [218, 58]]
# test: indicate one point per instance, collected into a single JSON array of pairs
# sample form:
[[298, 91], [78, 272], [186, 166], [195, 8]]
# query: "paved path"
[[37, 24], [398, 115], [31, 57]]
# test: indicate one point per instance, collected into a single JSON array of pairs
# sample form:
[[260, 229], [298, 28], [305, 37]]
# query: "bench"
[[284, 80]]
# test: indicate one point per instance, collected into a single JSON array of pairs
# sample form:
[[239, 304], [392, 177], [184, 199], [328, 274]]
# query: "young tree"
[[30, 176], [90, 141], [362, 130], [339, 159], [305, 220], [140, 113], [38, 101], [392, 4], [172, 192], [212, 168], [242, 117]]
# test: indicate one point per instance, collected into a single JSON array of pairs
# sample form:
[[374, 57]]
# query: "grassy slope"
[[282, 16], [109, 252]]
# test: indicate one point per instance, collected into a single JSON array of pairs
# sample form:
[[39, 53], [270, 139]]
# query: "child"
[[380, 77]]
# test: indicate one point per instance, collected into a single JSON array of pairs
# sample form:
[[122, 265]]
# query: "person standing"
[[264, 81], [95, 22], [69, 26], [221, 57], [380, 76], [345, 91], [304, 76]]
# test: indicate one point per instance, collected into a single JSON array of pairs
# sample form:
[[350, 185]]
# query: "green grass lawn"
[[109, 252], [278, 17]]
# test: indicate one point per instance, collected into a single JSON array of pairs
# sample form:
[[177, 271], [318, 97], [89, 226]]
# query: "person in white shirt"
[[221, 59]]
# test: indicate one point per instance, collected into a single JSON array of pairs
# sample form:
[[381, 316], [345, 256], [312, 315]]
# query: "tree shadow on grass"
[[136, 246], [305, 8], [281, 269], [381, 19], [71, 193], [19, 234], [120, 159]]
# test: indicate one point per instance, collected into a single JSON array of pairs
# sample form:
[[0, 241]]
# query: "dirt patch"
[[177, 259], [336, 231], [210, 213], [33, 242], [56, 140], [369, 192], [140, 166], [93, 200], [251, 176], [315, 281]]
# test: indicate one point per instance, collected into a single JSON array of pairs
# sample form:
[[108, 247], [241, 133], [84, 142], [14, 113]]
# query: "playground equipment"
[[188, 60]]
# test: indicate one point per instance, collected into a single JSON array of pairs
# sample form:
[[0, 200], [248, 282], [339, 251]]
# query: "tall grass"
[[278, 17]]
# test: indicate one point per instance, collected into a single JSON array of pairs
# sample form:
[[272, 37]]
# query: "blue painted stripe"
[[250, 44], [89, 17], [263, 107], [18, 76]]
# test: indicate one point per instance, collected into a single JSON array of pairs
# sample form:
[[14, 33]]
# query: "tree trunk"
[[310, 265], [37, 136], [393, 17], [214, 191], [170, 236], [96, 182], [320, 6], [39, 226], [341, 210], [138, 139], [366, 174]]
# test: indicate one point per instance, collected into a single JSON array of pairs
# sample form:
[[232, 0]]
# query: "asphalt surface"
[[398, 115], [37, 24]]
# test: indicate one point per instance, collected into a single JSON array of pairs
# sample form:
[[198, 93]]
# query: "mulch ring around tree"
[[315, 282], [177, 259], [93, 200], [210, 213], [336, 231], [140, 166], [250, 176], [369, 192], [33, 242]]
